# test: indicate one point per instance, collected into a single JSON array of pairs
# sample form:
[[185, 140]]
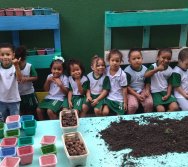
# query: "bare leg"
[[40, 114], [52, 115], [85, 109], [105, 110]]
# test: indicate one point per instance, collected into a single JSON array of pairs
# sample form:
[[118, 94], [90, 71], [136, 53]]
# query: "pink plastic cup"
[[26, 154], [49, 160], [10, 162]]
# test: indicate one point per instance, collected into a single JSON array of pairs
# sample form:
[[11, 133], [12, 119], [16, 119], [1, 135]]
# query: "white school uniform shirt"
[[137, 78], [27, 87], [184, 81], [117, 81], [159, 81], [96, 85], [55, 92], [8, 85], [74, 86]]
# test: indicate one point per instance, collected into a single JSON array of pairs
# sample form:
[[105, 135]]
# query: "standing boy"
[[10, 75]]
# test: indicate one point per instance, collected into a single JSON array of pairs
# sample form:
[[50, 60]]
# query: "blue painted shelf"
[[35, 22], [146, 18]]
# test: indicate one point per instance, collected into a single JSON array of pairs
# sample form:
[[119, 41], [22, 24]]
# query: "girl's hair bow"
[[59, 58]]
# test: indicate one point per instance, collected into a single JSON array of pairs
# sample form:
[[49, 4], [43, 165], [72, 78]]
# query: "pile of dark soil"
[[155, 138]]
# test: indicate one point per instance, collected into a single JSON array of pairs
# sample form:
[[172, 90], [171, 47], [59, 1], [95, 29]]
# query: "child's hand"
[[57, 81], [125, 106], [89, 99], [70, 104], [161, 66], [165, 97], [94, 102], [24, 79], [147, 93], [15, 62], [140, 97], [186, 96], [50, 79]]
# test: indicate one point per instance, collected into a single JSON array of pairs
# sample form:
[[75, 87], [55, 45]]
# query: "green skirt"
[[115, 106], [77, 102], [54, 105], [157, 99]]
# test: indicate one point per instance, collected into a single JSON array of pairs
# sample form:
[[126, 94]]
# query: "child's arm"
[[125, 97], [151, 71], [148, 89], [61, 85], [80, 88], [100, 97], [169, 90], [105, 89], [70, 99], [33, 76], [176, 83], [88, 95], [47, 84], [181, 91], [18, 72], [29, 79]]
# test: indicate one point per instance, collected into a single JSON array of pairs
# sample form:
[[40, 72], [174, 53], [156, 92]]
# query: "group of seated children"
[[105, 90]]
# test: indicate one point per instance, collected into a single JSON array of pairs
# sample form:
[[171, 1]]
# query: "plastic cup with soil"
[[69, 120], [75, 148]]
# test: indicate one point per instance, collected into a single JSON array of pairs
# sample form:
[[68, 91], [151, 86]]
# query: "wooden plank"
[[149, 56], [147, 18], [183, 36], [146, 37], [35, 22]]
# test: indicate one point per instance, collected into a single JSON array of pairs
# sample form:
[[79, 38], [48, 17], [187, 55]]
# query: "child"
[[78, 84], [160, 73], [99, 85], [180, 80], [138, 91], [29, 101], [10, 75], [117, 97], [57, 86]]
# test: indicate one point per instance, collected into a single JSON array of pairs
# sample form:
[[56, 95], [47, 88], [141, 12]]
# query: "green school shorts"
[[54, 105], [98, 106]]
